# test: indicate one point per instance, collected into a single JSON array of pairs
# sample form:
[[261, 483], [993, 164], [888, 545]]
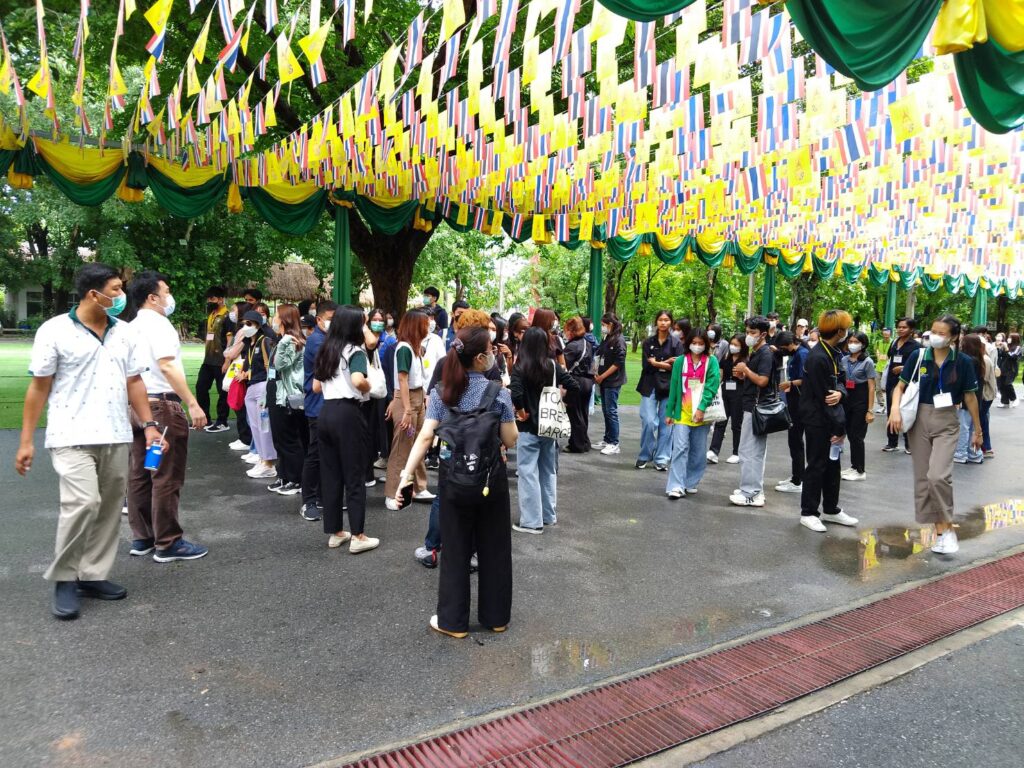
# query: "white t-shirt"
[[433, 353], [156, 339], [88, 403], [340, 387]]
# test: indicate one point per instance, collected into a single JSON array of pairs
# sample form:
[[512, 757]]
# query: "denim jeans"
[[984, 406], [610, 409], [964, 451], [689, 456], [655, 434], [752, 452], [537, 469], [433, 537]]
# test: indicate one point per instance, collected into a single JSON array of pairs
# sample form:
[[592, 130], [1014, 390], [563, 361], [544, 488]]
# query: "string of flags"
[[665, 126]]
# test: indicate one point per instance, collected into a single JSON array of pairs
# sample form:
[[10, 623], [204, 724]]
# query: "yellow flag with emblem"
[[288, 67]]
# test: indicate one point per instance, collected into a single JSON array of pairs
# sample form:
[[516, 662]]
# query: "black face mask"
[[211, 306]]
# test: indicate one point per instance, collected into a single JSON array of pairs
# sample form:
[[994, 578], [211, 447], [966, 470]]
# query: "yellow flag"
[[116, 86], [537, 231], [199, 49], [454, 17], [905, 115], [40, 82], [601, 22], [269, 115], [129, 9], [798, 167], [191, 79], [288, 66], [157, 14], [312, 45]]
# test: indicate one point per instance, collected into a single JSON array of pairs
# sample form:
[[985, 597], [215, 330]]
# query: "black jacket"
[[613, 352], [823, 372], [527, 396]]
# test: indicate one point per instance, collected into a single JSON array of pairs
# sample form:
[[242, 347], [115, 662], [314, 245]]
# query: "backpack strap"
[[490, 395]]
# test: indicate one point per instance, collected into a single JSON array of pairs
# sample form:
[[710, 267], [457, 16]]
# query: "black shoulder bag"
[[770, 414]]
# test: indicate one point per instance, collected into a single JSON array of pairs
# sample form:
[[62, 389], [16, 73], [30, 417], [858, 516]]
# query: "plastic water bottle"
[[264, 417], [835, 451]]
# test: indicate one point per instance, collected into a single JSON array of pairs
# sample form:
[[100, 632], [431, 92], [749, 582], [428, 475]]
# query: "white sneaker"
[[675, 493], [1002, 405], [423, 495], [261, 471], [370, 483], [947, 544], [788, 486], [610, 450], [880, 409], [355, 546], [380, 463], [336, 541], [691, 491], [712, 457], [854, 475], [250, 458], [734, 459], [840, 518], [1014, 403], [813, 523], [391, 504], [598, 446], [740, 500], [238, 445]]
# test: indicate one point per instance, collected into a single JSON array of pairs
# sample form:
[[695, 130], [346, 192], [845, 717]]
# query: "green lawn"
[[14, 359], [14, 378]]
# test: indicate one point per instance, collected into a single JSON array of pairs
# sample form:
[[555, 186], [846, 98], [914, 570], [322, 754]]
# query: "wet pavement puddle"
[[881, 547]]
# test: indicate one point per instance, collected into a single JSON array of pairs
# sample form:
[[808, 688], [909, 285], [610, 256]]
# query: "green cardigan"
[[712, 381]]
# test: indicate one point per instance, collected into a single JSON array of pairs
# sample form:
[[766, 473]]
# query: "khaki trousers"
[[401, 443], [93, 479], [932, 443]]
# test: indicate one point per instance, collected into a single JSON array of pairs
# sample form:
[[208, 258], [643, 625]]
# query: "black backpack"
[[475, 442]]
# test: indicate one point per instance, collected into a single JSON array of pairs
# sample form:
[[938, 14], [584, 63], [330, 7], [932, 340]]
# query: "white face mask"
[[233, 316], [1000, 338], [327, 325], [697, 349], [812, 344], [677, 334], [605, 330], [855, 348], [711, 335], [772, 324], [734, 349], [169, 306], [431, 326], [494, 336], [554, 327], [752, 340], [490, 361], [248, 331], [938, 342]]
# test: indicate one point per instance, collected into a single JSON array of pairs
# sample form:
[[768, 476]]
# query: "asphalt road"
[[275, 651]]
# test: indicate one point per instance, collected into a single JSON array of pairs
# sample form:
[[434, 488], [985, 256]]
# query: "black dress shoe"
[[65, 600], [102, 590]]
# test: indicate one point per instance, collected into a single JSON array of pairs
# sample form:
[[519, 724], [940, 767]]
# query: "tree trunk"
[[794, 303], [389, 261], [712, 282]]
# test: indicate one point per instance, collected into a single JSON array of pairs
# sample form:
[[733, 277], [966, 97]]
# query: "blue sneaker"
[[180, 550], [141, 547]]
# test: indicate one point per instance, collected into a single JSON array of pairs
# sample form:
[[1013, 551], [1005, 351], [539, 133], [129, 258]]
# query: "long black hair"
[[469, 343], [346, 328], [534, 364], [613, 322]]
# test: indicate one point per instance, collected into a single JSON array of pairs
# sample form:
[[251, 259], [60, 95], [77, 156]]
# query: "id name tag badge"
[[730, 386], [942, 400], [850, 384], [209, 337], [897, 359]]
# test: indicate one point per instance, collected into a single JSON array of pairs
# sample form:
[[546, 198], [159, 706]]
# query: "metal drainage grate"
[[623, 722]]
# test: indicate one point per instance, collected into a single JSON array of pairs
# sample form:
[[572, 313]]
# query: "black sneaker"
[[66, 603], [216, 428], [890, 449], [276, 486], [101, 590], [288, 489], [180, 550], [433, 463], [141, 547], [310, 512], [426, 557], [641, 464], [661, 467]]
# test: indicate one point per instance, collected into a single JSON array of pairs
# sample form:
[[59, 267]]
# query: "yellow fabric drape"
[[129, 194], [792, 256], [960, 24], [670, 242], [234, 199], [291, 195], [193, 177], [1005, 21], [82, 166], [710, 242], [387, 202]]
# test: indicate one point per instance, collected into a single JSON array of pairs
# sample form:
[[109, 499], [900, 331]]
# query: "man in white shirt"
[[84, 365], [153, 495]]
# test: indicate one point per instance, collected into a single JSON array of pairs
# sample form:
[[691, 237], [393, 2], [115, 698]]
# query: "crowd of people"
[[329, 400]]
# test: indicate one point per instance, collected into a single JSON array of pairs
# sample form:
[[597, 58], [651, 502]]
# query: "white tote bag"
[[375, 374], [553, 421], [715, 412], [912, 395]]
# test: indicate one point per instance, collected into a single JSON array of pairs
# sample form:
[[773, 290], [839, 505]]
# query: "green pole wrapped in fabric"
[[342, 257], [595, 289], [992, 82], [768, 294], [980, 314], [645, 10], [890, 304], [870, 41]]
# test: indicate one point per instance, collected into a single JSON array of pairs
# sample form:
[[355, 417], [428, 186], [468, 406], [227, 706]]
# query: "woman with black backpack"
[[579, 360], [475, 507]]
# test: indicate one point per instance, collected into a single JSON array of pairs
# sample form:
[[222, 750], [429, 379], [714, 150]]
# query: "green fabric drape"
[[745, 264], [890, 304], [980, 314], [187, 202], [595, 289], [342, 257], [645, 10], [297, 219], [671, 256], [82, 194], [386, 221], [970, 286], [792, 271], [852, 272], [137, 178], [930, 283], [879, 276], [908, 277], [6, 158], [992, 82], [824, 268], [623, 249], [870, 41], [768, 293]]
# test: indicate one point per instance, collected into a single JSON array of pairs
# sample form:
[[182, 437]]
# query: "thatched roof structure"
[[292, 281]]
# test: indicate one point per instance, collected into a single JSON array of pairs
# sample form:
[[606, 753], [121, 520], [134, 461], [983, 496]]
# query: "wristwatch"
[[148, 424]]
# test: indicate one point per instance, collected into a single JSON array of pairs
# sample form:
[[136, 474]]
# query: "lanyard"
[[835, 368], [951, 355], [695, 369]]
